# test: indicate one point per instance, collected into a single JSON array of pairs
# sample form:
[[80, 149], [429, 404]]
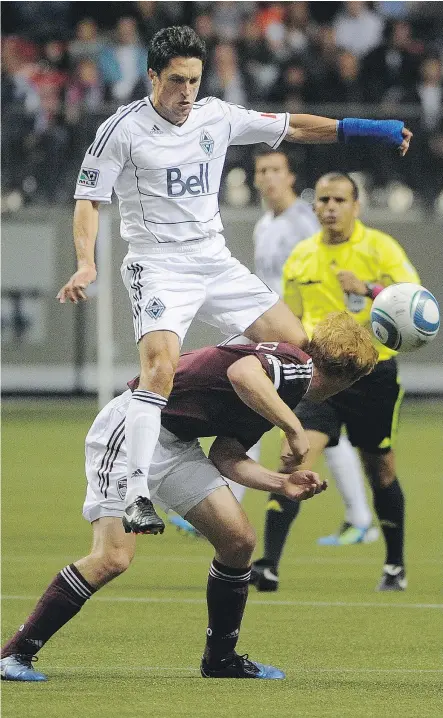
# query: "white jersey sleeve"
[[248, 127], [104, 160]]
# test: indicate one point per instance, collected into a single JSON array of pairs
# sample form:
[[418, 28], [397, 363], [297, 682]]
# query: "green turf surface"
[[135, 648]]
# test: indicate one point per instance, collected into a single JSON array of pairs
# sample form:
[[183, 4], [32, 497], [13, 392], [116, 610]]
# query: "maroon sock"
[[61, 601], [226, 595]]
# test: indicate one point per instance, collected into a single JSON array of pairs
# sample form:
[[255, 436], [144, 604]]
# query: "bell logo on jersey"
[[88, 177], [194, 184]]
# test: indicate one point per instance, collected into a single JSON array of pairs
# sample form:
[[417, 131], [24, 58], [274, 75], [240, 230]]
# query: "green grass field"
[[135, 648]]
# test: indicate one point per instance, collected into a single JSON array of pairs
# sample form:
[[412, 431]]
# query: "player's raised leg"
[[111, 553], [159, 353], [222, 520], [278, 324]]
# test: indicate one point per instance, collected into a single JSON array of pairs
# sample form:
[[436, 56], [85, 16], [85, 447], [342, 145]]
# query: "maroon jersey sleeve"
[[204, 403]]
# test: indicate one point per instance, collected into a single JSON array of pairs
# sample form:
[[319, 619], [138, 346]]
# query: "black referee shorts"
[[369, 410]]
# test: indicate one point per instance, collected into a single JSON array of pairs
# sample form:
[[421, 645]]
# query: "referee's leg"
[[389, 504], [280, 515]]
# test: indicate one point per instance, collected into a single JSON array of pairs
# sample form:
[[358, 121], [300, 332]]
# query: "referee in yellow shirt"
[[344, 267]]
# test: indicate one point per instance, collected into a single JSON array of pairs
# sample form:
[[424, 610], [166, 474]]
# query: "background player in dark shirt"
[[236, 393]]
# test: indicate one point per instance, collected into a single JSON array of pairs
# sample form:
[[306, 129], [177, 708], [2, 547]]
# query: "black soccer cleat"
[[264, 576], [235, 666], [140, 518], [393, 578]]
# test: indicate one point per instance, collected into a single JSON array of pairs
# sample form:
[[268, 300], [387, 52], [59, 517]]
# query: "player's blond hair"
[[342, 348]]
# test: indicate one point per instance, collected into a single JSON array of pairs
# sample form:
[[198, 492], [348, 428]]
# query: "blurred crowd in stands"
[[66, 66]]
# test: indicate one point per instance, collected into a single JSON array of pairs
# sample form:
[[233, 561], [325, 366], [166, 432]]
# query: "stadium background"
[[348, 651]]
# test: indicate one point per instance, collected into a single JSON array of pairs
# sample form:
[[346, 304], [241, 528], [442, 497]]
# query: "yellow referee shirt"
[[310, 284]]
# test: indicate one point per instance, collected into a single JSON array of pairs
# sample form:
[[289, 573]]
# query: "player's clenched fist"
[[302, 485], [74, 289]]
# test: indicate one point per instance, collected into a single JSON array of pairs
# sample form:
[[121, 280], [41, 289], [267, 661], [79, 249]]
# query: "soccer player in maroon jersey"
[[233, 392]]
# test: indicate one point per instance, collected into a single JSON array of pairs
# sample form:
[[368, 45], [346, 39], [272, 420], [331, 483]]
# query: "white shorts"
[[169, 284], [180, 476]]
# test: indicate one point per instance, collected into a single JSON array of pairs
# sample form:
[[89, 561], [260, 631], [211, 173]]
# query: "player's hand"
[[298, 450], [351, 284], [74, 290], [302, 485], [407, 137]]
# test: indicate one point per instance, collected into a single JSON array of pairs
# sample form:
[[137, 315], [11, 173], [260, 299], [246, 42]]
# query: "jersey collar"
[[355, 237], [176, 129]]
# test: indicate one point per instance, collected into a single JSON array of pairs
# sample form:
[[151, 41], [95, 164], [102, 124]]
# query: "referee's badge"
[[155, 308], [206, 142]]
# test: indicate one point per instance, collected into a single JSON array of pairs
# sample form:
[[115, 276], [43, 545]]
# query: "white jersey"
[[276, 237], [167, 177]]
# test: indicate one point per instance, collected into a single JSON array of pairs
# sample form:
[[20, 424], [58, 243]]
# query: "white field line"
[[313, 669], [333, 560], [252, 602]]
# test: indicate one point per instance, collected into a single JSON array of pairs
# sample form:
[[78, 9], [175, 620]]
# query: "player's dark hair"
[[266, 151], [175, 41], [332, 176]]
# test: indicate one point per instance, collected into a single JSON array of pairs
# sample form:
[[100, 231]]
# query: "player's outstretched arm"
[[230, 458], [312, 129], [85, 234]]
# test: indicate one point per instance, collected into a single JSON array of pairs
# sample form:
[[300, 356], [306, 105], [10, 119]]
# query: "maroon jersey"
[[204, 403]]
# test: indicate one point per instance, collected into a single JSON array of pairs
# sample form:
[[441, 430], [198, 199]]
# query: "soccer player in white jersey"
[[164, 156], [287, 221]]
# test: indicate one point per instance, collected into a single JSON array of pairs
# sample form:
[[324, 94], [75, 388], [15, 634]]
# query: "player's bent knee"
[[158, 375], [114, 563], [380, 469], [385, 479], [238, 547]]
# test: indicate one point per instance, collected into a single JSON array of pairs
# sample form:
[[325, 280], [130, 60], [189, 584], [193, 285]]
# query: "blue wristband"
[[385, 130]]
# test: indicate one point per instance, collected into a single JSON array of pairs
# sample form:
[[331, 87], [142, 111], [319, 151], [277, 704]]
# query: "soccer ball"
[[405, 316]]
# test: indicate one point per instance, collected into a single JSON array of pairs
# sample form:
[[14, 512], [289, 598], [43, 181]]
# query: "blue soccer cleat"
[[19, 668], [182, 525], [235, 666], [349, 535]]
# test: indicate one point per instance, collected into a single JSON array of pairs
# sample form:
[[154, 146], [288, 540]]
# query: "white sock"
[[142, 427], [344, 465], [237, 489]]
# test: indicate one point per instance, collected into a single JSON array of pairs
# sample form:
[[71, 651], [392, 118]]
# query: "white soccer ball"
[[405, 316]]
